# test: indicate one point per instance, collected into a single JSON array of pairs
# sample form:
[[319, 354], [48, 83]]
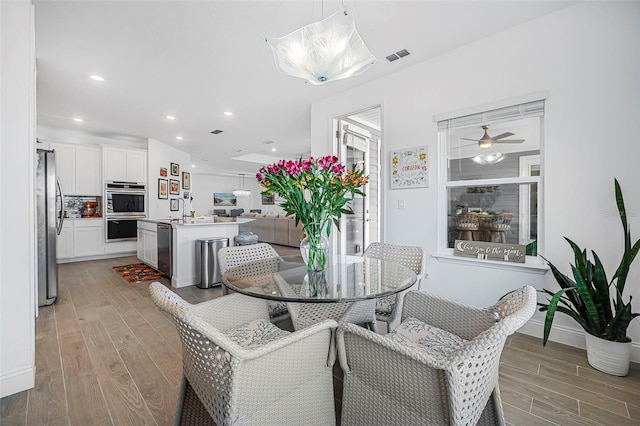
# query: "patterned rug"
[[137, 272]]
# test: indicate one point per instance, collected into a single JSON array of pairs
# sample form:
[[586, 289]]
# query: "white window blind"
[[514, 112]]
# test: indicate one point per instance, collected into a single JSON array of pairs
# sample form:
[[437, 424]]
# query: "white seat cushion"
[[426, 338], [255, 333]]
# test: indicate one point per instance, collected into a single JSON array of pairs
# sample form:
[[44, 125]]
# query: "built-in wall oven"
[[124, 205]]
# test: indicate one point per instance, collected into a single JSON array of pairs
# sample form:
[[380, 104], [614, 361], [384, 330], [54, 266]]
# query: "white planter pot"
[[607, 356]]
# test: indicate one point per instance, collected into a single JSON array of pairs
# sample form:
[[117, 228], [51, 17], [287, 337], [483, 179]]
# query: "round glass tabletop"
[[346, 279]]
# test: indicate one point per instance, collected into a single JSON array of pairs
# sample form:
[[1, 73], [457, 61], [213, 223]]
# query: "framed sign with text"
[[514, 253], [409, 168]]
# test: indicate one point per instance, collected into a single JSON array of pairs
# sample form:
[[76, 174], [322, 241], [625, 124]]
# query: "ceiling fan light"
[[492, 158], [485, 143], [323, 51]]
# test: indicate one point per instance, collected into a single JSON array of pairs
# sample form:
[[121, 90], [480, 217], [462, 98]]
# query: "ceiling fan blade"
[[510, 141], [503, 135], [463, 146], [467, 139]]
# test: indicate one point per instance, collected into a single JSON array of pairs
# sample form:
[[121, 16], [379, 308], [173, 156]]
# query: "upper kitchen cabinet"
[[124, 164], [78, 168]]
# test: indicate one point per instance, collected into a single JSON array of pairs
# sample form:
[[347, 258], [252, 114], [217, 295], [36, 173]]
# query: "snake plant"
[[590, 298]]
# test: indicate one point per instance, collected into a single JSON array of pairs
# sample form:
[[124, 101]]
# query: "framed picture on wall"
[[186, 180], [163, 189], [267, 200], [174, 205], [409, 168], [222, 199], [175, 187], [163, 171], [175, 169]]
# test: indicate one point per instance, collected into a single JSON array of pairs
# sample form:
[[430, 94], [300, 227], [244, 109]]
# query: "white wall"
[[17, 204], [162, 155], [205, 184], [586, 57], [79, 136]]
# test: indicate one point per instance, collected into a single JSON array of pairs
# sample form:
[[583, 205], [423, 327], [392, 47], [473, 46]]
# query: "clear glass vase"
[[315, 251]]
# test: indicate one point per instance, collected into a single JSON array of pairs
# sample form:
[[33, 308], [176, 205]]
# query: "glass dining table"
[[346, 279]]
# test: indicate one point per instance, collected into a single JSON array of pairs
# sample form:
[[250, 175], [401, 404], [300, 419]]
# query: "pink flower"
[[273, 168], [306, 164], [260, 176], [338, 169], [326, 162], [292, 167]]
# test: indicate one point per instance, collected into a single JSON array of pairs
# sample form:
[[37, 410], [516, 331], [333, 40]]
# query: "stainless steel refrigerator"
[[49, 200]]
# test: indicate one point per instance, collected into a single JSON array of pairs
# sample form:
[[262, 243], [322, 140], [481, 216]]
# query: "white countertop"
[[197, 221]]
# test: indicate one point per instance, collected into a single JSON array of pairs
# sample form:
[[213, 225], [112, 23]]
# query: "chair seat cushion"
[[277, 308], [255, 333], [426, 338]]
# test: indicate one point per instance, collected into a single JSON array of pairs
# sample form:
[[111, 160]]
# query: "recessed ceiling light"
[[179, 138], [228, 113], [273, 149], [171, 117], [79, 120], [193, 166], [97, 77]]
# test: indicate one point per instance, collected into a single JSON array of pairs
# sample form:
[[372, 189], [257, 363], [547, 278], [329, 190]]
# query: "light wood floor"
[[106, 355]]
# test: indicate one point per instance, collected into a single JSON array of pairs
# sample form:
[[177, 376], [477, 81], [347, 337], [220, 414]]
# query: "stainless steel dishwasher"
[[164, 249]]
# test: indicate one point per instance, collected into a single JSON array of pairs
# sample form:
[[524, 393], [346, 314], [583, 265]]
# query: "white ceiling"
[[197, 59]]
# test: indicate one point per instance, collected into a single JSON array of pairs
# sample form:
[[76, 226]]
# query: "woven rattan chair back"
[[388, 308], [498, 226], [287, 381], [466, 224], [387, 381]]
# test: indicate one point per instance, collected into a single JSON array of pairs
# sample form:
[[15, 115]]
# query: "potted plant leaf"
[[596, 303]]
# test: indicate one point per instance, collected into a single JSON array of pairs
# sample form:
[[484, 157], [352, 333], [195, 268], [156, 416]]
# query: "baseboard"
[[97, 257], [17, 381], [568, 336]]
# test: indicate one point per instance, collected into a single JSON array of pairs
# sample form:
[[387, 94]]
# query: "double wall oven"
[[125, 204]]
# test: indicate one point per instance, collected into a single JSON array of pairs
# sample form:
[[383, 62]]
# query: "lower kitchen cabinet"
[[81, 238], [148, 243], [88, 237], [65, 240]]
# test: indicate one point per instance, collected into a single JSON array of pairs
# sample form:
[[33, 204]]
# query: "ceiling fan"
[[487, 141]]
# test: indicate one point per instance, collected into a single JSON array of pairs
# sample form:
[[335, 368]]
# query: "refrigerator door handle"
[[60, 213]]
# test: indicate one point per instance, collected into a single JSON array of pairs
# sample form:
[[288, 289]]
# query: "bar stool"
[[466, 224], [497, 226]]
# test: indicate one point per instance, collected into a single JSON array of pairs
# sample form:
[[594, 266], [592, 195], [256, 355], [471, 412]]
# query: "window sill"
[[533, 264]]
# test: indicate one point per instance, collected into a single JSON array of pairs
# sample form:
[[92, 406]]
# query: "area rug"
[[137, 273]]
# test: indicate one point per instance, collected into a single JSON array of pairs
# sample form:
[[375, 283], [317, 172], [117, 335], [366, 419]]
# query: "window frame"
[[533, 264]]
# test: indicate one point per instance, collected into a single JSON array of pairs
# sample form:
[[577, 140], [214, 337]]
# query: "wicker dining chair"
[[440, 365], [246, 371], [233, 257], [388, 308]]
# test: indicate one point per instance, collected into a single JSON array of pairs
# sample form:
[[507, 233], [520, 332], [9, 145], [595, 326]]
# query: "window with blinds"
[[492, 174]]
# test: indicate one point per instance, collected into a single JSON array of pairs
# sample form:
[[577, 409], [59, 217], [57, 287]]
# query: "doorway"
[[358, 140]]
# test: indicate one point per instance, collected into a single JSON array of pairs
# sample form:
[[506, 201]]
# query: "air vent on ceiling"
[[268, 142], [398, 55], [217, 131]]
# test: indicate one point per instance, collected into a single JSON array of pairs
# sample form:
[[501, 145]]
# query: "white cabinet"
[[87, 167], [65, 240], [66, 166], [81, 238], [78, 168], [124, 164], [88, 237], [148, 243]]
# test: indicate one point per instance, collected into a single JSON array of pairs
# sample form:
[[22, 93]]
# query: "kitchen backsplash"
[[74, 206]]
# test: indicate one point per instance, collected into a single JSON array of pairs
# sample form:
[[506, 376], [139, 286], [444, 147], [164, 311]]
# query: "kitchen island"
[[184, 233]]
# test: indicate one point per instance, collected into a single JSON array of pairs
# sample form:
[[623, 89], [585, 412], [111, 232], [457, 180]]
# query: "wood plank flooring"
[[105, 355]]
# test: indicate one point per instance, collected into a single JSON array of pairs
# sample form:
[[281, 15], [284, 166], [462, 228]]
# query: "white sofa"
[[274, 228]]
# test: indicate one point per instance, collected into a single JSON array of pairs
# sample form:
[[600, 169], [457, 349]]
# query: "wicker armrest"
[[223, 312], [458, 318], [347, 331]]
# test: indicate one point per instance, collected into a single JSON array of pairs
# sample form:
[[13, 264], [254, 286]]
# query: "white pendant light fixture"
[[242, 192], [323, 51]]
